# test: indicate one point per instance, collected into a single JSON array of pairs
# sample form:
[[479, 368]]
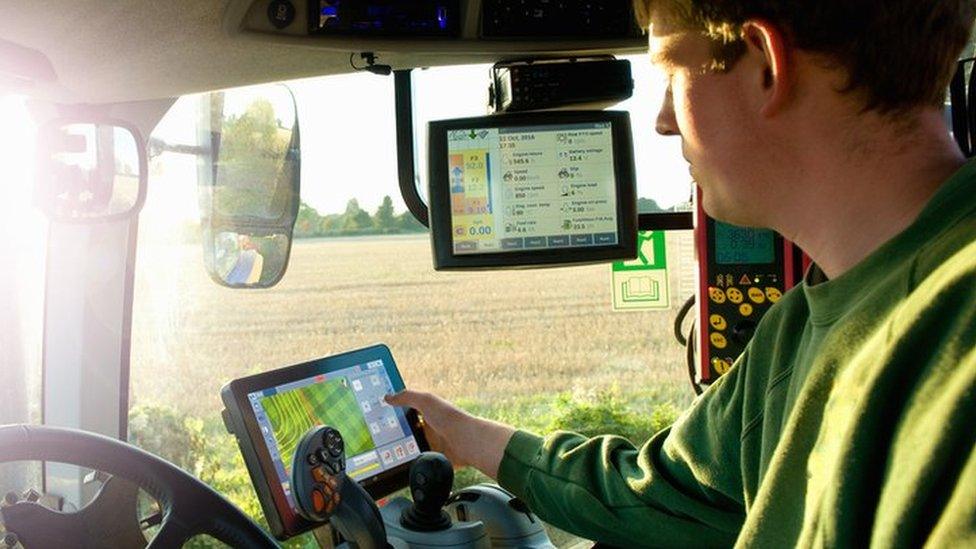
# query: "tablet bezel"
[[442, 240], [242, 422]]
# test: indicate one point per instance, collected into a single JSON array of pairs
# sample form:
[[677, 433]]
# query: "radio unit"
[[547, 83]]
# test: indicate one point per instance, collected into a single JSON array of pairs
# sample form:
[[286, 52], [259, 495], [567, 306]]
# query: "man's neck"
[[852, 204]]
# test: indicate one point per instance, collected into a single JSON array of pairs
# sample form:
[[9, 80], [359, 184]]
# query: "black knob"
[[333, 442], [431, 480]]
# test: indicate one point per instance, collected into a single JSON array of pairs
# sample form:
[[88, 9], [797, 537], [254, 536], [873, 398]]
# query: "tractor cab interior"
[[231, 228]]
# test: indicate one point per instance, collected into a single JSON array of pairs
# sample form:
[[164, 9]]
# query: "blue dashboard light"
[[330, 10], [442, 17]]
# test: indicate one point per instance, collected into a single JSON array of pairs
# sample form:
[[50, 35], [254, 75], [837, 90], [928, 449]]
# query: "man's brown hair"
[[900, 54]]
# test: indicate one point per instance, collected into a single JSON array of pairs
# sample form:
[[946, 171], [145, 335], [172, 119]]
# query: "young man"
[[849, 420]]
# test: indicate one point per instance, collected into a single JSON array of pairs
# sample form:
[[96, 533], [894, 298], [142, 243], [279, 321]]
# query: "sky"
[[348, 136], [349, 141]]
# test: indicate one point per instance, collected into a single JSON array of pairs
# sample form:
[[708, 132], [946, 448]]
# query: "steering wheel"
[[189, 507]]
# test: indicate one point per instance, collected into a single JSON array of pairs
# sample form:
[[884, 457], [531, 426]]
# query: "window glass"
[[22, 249], [539, 348], [663, 180]]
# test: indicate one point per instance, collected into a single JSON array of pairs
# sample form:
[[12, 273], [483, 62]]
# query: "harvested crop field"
[[484, 337]]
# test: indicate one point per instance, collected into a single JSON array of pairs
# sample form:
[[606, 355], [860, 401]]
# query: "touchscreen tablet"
[[270, 412]]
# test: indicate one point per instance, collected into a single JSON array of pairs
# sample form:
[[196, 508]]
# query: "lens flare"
[[22, 238]]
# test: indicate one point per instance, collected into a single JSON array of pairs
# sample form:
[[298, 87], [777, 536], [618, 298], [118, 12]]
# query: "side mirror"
[[90, 172], [249, 184]]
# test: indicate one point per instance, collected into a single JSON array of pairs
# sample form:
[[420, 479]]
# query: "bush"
[[606, 414], [206, 451]]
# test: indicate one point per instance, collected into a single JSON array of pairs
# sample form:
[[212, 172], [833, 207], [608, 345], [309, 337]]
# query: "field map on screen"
[[377, 436], [292, 413]]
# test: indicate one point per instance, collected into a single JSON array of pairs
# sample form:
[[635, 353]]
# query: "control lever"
[[431, 480], [324, 492]]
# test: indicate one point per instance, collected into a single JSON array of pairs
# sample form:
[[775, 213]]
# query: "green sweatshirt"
[[849, 421]]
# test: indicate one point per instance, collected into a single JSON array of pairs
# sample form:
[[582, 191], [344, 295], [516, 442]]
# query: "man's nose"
[[666, 123]]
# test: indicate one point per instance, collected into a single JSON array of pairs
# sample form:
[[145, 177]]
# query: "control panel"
[[742, 273], [421, 18], [562, 19]]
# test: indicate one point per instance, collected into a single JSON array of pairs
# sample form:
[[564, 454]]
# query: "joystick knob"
[[431, 480]]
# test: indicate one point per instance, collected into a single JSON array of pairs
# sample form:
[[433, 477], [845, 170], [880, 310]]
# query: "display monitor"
[[271, 412], [532, 189], [743, 245]]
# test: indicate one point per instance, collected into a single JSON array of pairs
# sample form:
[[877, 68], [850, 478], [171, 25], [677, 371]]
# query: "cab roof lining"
[[134, 50]]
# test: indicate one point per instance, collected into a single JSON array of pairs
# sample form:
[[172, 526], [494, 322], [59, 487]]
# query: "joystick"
[[319, 473], [324, 492], [431, 479]]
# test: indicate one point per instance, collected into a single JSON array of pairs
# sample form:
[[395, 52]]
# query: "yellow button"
[[716, 295], [773, 294], [718, 322], [745, 309], [757, 296], [720, 366], [735, 295], [718, 340]]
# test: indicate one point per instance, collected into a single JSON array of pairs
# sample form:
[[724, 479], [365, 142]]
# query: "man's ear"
[[767, 44]]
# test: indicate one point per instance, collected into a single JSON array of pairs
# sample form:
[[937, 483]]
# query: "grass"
[[539, 349]]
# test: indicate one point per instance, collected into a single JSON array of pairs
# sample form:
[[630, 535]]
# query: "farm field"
[[482, 338]]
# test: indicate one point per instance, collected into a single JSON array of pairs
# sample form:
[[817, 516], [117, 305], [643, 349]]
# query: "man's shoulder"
[[943, 290], [950, 251]]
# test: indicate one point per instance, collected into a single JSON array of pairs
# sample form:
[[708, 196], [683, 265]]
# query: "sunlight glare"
[[22, 250]]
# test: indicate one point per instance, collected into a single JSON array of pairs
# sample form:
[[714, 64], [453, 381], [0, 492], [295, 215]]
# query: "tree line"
[[355, 221]]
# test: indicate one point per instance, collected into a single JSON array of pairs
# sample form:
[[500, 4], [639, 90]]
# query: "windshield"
[[542, 349]]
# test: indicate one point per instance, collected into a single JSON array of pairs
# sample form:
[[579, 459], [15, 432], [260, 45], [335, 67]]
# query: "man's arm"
[[682, 488]]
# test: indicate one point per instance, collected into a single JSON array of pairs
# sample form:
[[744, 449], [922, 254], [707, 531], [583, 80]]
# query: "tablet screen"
[[377, 436]]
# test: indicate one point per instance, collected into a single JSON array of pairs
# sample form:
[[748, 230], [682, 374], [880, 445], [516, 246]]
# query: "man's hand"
[[463, 438]]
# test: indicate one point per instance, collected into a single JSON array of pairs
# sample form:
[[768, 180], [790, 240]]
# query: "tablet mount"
[[480, 516]]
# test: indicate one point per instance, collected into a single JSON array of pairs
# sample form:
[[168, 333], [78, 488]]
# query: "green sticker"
[[642, 283]]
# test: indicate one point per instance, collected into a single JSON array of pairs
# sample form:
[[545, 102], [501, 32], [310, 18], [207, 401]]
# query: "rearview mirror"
[[249, 184], [90, 172]]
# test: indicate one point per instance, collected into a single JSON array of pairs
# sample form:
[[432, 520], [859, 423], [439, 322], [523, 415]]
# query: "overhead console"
[[542, 19], [444, 26], [392, 18]]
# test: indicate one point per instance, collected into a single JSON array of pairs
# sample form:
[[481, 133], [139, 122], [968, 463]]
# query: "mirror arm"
[[406, 152], [158, 146]]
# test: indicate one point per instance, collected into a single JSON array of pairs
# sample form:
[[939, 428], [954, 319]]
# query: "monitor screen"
[[377, 436], [537, 188], [742, 245], [532, 187]]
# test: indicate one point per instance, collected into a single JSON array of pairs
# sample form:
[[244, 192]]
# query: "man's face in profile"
[[708, 109]]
